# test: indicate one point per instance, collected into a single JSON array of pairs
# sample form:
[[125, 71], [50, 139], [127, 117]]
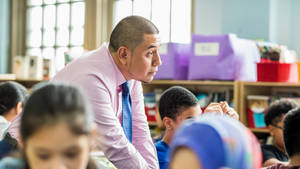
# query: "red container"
[[150, 110], [277, 72]]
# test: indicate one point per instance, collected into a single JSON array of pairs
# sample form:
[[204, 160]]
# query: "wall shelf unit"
[[237, 89], [196, 86], [262, 88]]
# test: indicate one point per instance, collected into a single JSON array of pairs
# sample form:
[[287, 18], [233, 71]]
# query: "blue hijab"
[[219, 141]]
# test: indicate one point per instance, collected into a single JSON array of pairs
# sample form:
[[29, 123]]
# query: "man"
[[175, 105], [108, 75], [275, 153], [291, 138]]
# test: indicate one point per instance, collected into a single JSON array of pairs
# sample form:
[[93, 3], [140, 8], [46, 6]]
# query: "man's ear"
[[123, 54], [169, 123]]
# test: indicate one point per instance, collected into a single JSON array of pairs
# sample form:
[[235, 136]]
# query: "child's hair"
[[275, 112], [174, 101], [11, 93], [291, 132], [53, 103]]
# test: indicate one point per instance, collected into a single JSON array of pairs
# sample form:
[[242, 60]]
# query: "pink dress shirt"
[[99, 76]]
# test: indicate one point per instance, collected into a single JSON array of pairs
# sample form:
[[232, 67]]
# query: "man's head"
[[274, 119], [177, 104], [134, 46], [291, 132]]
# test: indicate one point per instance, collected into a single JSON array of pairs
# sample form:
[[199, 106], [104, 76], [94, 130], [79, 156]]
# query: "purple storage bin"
[[222, 57], [175, 61]]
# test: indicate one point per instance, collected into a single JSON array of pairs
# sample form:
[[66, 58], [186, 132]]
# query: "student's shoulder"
[[12, 163], [161, 146], [268, 147]]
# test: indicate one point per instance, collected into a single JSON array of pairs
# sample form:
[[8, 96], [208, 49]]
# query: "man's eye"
[[150, 53]]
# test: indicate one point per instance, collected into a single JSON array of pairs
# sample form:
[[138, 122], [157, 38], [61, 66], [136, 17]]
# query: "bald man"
[[107, 75]]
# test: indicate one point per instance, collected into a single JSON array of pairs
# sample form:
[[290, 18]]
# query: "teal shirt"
[[162, 153], [12, 163]]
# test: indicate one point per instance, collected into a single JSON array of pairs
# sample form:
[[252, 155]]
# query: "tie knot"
[[125, 87]]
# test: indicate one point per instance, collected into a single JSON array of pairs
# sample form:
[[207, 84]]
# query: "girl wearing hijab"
[[214, 142]]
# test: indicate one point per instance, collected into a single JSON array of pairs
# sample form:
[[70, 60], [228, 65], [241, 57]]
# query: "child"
[[214, 142], [175, 105], [275, 153], [291, 137], [12, 98], [56, 130]]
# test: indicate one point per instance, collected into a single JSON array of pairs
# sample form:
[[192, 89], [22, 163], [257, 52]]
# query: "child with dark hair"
[[12, 98], [56, 130], [275, 153], [175, 105], [291, 138]]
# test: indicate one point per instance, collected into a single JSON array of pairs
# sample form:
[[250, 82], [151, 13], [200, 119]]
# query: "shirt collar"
[[120, 79], [3, 120]]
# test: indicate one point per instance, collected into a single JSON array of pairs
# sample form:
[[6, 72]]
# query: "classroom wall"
[[270, 20], [246, 18], [208, 16], [282, 21], [4, 34], [295, 35]]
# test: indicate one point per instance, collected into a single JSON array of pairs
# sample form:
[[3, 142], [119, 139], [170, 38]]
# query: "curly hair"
[[275, 112]]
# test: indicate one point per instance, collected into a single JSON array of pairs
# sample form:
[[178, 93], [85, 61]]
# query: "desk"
[[101, 160]]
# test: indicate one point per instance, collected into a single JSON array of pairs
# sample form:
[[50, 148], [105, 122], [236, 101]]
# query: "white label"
[[152, 112], [207, 49], [163, 49]]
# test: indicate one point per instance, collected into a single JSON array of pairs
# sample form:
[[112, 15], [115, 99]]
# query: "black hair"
[[52, 103], [275, 112], [175, 100], [130, 32], [291, 132], [11, 93]]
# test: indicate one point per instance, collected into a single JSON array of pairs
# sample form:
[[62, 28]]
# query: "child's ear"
[[159, 122], [20, 142], [271, 128], [169, 123], [19, 108]]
